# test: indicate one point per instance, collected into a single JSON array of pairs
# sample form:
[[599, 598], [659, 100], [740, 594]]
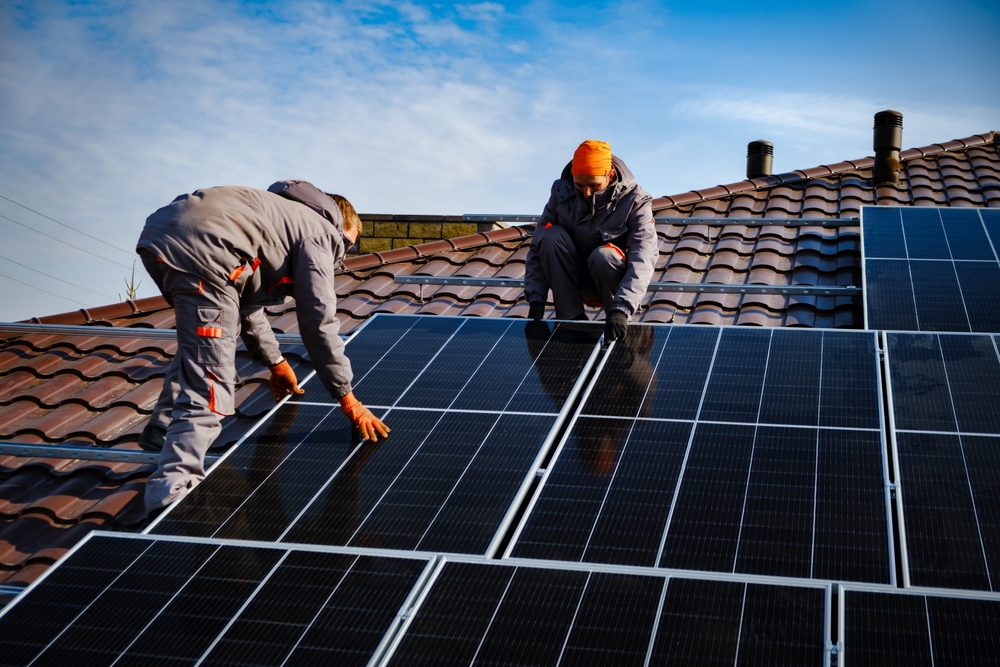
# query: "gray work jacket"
[[260, 247], [622, 215]]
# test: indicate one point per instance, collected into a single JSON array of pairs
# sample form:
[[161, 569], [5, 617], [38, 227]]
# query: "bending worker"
[[595, 242], [218, 255]]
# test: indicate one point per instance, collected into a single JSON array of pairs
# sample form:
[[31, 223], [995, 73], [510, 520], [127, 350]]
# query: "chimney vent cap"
[[889, 117], [760, 147]]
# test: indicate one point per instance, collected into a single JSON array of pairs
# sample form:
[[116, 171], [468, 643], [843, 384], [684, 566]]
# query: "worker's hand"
[[283, 381], [615, 326], [363, 419], [536, 310]]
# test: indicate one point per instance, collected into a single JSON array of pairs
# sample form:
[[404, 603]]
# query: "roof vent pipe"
[[887, 144], [760, 155]]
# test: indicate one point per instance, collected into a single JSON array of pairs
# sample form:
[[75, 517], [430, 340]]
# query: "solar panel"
[[493, 614], [945, 397], [910, 630], [732, 450], [472, 404], [136, 600], [931, 269]]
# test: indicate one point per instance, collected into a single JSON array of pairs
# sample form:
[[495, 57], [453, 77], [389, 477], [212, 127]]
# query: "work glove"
[[283, 381], [615, 326], [363, 419], [536, 310]]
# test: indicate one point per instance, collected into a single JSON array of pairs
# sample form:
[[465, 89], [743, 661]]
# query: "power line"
[[60, 296], [66, 282], [37, 231], [110, 245]]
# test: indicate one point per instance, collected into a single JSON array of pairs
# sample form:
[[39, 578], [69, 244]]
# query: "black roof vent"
[[760, 155], [888, 141]]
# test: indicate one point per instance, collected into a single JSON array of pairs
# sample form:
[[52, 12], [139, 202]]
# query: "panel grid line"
[[930, 635], [572, 623], [239, 612], [165, 604], [656, 622], [430, 361], [607, 491], [954, 270], [965, 465], [493, 617], [989, 239], [319, 611], [753, 450], [91, 604], [739, 633], [687, 453]]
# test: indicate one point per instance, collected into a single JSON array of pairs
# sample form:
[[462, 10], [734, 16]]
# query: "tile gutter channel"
[[20, 329], [136, 456]]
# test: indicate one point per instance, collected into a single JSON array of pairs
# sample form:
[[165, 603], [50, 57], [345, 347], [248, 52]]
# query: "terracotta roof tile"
[[98, 389]]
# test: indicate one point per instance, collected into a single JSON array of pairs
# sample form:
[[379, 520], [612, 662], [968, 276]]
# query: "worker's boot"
[[152, 438]]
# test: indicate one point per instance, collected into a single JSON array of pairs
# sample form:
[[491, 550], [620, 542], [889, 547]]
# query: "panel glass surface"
[[445, 478], [931, 269], [918, 631], [777, 470], [164, 602], [491, 614], [946, 412]]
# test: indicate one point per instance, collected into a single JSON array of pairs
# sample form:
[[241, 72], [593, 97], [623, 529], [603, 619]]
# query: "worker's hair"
[[351, 219]]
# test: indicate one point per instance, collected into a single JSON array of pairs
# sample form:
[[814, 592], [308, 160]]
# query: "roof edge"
[[92, 315], [799, 175]]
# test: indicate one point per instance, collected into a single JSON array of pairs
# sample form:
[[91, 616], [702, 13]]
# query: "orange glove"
[[363, 419], [283, 381]]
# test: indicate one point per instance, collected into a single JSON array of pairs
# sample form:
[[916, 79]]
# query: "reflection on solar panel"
[[488, 614], [931, 269], [733, 450], [472, 404], [945, 392], [899, 629], [139, 601]]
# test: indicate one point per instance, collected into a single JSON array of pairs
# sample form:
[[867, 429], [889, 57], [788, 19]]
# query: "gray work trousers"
[[573, 278], [199, 388]]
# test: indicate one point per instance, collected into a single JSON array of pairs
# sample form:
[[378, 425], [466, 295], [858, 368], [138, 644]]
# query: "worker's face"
[[352, 236], [588, 186]]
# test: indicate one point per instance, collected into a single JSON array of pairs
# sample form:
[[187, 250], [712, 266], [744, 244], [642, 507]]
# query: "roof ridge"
[[799, 175]]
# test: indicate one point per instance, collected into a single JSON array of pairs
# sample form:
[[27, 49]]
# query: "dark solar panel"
[[744, 496], [916, 630], [445, 480], [931, 269], [492, 614], [946, 401], [139, 601]]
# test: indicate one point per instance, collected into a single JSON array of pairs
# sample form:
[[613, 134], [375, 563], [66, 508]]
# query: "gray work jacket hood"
[[622, 214], [308, 194]]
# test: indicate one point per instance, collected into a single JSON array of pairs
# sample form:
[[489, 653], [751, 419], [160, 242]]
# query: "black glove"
[[615, 325], [536, 310]]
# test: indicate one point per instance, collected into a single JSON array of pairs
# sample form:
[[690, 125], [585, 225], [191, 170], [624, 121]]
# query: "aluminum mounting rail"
[[719, 222], [19, 328], [83, 453], [697, 288]]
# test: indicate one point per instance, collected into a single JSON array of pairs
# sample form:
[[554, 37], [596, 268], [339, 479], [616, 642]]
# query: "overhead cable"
[[65, 243], [66, 282], [79, 303], [110, 245]]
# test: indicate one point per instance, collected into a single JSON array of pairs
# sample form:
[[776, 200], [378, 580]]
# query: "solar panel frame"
[[508, 326], [920, 269], [955, 431], [817, 429], [923, 627], [431, 562]]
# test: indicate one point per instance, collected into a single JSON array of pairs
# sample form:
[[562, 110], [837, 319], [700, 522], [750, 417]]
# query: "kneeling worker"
[[218, 255], [595, 242]]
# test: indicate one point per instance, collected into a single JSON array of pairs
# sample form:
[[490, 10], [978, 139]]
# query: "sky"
[[109, 110]]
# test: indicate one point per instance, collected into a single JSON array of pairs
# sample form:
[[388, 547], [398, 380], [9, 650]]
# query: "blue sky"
[[108, 110]]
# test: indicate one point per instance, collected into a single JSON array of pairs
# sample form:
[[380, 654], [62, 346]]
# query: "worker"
[[595, 242], [219, 255]]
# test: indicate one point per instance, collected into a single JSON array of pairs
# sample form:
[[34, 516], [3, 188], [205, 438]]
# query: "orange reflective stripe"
[[209, 332], [284, 281], [256, 263], [547, 225], [616, 249], [211, 395], [237, 272]]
